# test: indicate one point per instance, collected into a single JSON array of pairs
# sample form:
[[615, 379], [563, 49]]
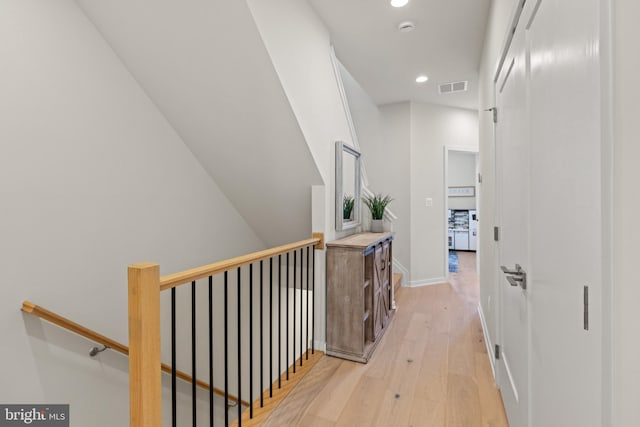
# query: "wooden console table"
[[359, 294]]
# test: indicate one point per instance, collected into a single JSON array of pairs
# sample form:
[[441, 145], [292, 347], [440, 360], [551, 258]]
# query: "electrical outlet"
[[428, 202]]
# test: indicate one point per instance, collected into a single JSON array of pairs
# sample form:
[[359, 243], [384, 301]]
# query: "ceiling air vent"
[[453, 87]]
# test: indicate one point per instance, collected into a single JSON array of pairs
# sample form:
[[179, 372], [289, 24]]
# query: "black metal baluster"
[[239, 352], [261, 338], [301, 306], [306, 343], [210, 351], [174, 408], [226, 351], [270, 327], [313, 301], [193, 354], [279, 321], [250, 340], [287, 322], [295, 275]]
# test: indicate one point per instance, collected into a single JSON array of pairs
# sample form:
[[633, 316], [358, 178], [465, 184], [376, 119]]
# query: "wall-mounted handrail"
[[187, 276], [63, 322]]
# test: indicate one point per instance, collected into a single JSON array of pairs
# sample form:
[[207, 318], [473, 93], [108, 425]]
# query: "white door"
[[512, 169], [549, 187], [566, 213]]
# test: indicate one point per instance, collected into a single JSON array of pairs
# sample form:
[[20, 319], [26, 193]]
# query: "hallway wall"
[[422, 131], [385, 156], [92, 178], [305, 72], [433, 127], [205, 65], [626, 233]]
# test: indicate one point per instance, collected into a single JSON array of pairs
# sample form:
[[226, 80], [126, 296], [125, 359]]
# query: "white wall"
[[499, 19], [626, 316], [417, 135], [461, 172], [303, 65], [433, 127], [92, 178], [385, 156], [204, 64]]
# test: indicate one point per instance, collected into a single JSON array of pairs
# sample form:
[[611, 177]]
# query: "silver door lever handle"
[[517, 271], [517, 277]]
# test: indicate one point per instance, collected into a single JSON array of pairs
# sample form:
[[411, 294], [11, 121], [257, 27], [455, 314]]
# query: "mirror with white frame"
[[347, 187]]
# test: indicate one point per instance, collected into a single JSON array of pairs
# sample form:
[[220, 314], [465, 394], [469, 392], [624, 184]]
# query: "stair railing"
[[286, 267]]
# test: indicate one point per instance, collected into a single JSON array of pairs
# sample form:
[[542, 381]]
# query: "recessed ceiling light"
[[406, 26], [421, 79], [399, 3]]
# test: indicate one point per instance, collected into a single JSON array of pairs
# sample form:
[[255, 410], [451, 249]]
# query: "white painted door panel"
[[512, 171], [548, 169], [565, 213]]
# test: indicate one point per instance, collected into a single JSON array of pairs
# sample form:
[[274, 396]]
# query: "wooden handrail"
[[43, 313], [63, 322], [187, 276]]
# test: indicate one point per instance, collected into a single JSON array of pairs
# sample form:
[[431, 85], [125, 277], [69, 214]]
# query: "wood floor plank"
[[418, 327], [426, 413], [279, 394], [315, 421], [337, 391], [362, 407], [479, 344], [493, 414], [292, 410], [463, 402], [447, 383], [432, 379], [401, 384], [461, 350]]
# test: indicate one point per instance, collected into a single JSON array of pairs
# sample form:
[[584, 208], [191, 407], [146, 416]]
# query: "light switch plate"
[[428, 202]]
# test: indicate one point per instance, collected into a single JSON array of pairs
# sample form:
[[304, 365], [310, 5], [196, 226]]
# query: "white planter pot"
[[377, 225]]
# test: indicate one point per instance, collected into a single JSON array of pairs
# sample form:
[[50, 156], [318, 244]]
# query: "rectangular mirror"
[[347, 187]]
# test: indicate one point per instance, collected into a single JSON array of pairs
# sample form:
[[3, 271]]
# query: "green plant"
[[377, 204], [347, 206]]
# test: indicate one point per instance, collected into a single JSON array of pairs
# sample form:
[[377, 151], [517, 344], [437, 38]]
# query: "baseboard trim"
[[487, 341], [426, 282], [401, 269]]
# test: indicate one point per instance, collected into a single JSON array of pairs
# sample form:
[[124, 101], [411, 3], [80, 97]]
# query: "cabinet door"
[[386, 279], [378, 322], [462, 240], [381, 297]]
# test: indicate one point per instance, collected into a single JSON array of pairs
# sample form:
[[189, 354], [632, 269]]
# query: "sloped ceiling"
[[205, 66]]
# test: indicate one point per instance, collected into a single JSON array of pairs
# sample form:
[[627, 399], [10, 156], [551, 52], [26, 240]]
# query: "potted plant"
[[347, 207], [377, 204]]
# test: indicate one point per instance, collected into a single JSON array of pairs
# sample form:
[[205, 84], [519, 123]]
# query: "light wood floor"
[[431, 369]]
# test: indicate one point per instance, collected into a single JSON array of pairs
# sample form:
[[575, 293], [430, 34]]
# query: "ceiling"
[[446, 45]]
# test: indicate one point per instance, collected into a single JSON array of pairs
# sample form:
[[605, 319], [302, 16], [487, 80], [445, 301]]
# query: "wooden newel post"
[[145, 387]]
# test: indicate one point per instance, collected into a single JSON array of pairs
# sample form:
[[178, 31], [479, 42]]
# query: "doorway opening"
[[461, 207]]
